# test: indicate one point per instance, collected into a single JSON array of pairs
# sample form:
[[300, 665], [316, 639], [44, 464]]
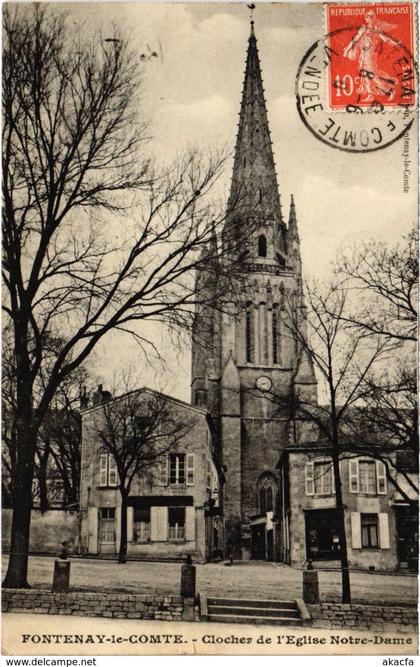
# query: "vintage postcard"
[[210, 290]]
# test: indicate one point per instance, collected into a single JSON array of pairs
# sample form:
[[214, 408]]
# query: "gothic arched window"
[[262, 246], [266, 493], [249, 329]]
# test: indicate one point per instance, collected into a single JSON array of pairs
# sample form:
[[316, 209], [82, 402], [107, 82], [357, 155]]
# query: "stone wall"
[[114, 605], [364, 617], [48, 530]]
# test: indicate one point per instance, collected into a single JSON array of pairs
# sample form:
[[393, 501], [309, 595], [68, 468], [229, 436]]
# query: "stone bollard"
[[61, 582], [188, 579], [310, 585], [188, 590]]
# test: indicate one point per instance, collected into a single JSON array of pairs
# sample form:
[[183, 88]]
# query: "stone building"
[[173, 510], [309, 509], [278, 498], [248, 352]]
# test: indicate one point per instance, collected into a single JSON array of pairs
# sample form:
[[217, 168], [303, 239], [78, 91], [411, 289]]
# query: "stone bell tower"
[[249, 356]]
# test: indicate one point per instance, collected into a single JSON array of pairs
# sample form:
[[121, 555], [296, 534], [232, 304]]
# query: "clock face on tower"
[[263, 383]]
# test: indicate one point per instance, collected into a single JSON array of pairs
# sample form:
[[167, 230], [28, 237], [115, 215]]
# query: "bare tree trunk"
[[345, 575], [42, 479], [17, 572], [122, 556]]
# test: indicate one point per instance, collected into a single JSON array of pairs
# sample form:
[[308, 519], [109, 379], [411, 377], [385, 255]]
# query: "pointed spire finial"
[[292, 212], [251, 8]]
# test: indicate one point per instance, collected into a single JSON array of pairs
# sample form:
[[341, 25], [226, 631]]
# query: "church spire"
[[293, 238], [254, 183]]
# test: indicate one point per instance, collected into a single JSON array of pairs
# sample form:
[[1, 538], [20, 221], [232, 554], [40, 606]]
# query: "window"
[[323, 478], [143, 423], [266, 494], [56, 491], [369, 524], [367, 477], [176, 520], [319, 478], [262, 245], [141, 524], [177, 469], [108, 474], [107, 528], [249, 332]]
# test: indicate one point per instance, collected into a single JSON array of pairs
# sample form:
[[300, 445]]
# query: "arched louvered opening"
[[249, 332], [262, 246], [275, 333]]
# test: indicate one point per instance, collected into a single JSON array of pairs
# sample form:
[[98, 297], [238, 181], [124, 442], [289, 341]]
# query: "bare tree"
[[384, 279], [73, 151], [57, 453], [59, 439], [138, 429], [342, 360]]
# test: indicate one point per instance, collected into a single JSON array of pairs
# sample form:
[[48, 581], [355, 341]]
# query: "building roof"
[[151, 392]]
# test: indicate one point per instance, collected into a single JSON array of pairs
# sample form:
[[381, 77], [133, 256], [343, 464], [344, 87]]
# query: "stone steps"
[[268, 612]]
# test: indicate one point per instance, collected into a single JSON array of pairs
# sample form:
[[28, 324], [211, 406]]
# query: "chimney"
[[97, 396], [101, 396], [83, 399]]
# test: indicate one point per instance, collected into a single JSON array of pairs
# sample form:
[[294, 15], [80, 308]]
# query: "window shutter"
[[354, 475], [383, 530], [380, 478], [118, 528], [190, 523], [309, 478], [158, 524], [356, 534], [103, 470], [112, 471], [164, 471], [190, 469], [93, 530], [130, 526], [154, 523]]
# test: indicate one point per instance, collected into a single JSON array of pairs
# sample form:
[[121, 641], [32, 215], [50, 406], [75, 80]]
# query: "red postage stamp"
[[373, 48]]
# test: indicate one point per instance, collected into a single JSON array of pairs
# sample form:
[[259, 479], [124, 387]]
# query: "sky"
[[191, 95]]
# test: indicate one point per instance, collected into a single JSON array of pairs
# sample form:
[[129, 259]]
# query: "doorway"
[[407, 533], [107, 530], [322, 541], [258, 546]]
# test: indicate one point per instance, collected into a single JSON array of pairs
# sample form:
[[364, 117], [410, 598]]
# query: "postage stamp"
[[356, 86], [373, 45]]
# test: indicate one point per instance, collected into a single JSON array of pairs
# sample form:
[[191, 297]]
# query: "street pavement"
[[243, 579]]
